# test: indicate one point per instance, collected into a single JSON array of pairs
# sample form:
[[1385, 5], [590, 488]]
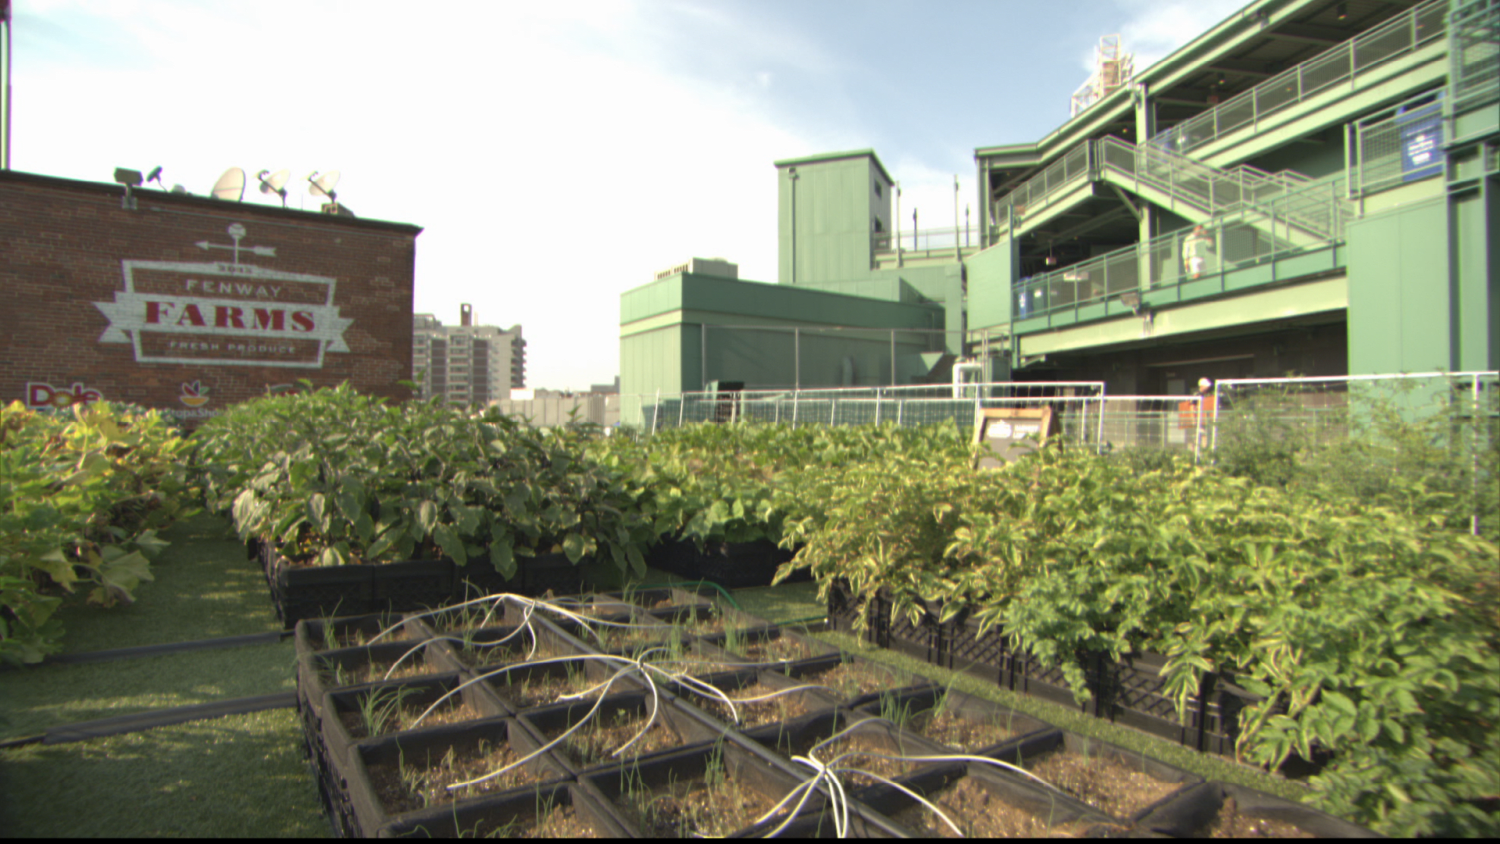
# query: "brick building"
[[190, 304]]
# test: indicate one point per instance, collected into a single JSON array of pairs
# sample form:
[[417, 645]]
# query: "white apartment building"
[[468, 363]]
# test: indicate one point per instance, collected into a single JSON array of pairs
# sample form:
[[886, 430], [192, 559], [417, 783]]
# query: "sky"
[[560, 154]]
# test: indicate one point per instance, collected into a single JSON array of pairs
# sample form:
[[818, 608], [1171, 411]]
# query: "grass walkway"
[[184, 780]]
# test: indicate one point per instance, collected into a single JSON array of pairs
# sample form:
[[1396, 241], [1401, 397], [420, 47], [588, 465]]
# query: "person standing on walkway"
[[1195, 251]]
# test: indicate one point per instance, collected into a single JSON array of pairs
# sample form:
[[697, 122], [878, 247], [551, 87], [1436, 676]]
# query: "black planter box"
[[799, 737], [310, 633], [1029, 751], [910, 707], [534, 576], [506, 814], [412, 585], [423, 749], [843, 610], [319, 591], [1050, 809], [338, 738], [757, 647], [897, 632], [744, 767], [1028, 675], [733, 565], [1133, 693], [550, 722], [713, 711], [817, 672], [1192, 811], [961, 647]]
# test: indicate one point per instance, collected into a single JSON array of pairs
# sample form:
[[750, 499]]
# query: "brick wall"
[[128, 304]]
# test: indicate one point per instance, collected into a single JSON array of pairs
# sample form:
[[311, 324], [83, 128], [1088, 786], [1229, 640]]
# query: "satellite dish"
[[323, 185], [231, 185], [275, 184], [155, 176]]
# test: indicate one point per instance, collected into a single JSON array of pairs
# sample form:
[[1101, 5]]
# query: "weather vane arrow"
[[237, 231]]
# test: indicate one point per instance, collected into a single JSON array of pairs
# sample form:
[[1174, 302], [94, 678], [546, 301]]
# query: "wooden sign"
[[1001, 433]]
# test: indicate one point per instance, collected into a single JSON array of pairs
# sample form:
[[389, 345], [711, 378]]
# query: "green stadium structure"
[[1309, 187]]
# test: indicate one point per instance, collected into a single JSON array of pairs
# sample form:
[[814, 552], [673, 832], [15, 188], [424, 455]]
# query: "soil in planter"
[[1101, 781], [391, 718], [513, 651], [859, 745], [853, 679], [374, 671], [418, 783], [757, 713], [980, 814], [951, 730], [713, 804], [626, 638], [1229, 823], [556, 822], [593, 743], [360, 637], [778, 649], [537, 689]]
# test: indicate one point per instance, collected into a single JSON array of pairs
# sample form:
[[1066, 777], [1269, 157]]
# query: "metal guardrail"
[[1403, 34], [1247, 237], [1474, 76]]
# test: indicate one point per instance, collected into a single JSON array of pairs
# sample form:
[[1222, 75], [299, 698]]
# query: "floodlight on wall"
[[130, 179], [274, 183]]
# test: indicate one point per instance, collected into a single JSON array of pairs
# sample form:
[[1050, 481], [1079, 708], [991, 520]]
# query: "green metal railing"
[[1391, 149], [1474, 77], [1403, 34], [1118, 279]]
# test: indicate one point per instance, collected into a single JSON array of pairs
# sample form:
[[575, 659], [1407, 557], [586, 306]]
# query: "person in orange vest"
[[1199, 414]]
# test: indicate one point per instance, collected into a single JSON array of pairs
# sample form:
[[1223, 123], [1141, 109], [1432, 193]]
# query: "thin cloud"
[[1152, 29]]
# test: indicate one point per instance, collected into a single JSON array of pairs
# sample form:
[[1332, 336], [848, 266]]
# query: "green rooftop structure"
[[1309, 187]]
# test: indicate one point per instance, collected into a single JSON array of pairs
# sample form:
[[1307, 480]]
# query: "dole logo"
[[194, 394], [39, 395]]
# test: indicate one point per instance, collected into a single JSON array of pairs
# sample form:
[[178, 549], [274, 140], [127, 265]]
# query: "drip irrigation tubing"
[[151, 719], [139, 651]]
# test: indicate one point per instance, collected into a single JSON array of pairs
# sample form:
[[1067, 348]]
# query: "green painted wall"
[[992, 273], [826, 209], [662, 334], [1400, 303]]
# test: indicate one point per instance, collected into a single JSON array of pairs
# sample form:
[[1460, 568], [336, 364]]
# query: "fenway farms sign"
[[225, 313]]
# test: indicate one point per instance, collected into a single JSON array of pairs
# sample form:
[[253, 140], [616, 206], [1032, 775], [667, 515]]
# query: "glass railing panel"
[[1330, 68], [1233, 115], [1270, 98], [1381, 45], [1122, 274], [1431, 22]]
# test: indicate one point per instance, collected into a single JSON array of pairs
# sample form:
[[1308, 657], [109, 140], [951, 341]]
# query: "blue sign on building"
[[1421, 141]]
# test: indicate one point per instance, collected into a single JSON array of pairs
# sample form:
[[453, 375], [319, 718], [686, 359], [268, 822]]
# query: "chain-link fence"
[[913, 405], [1430, 436]]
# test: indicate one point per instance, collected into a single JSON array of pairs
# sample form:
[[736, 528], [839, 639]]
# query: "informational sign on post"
[[1005, 433]]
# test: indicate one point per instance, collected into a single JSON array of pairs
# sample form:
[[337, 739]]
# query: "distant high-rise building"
[[468, 363]]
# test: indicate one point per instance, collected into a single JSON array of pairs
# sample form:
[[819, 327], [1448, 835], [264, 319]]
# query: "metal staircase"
[[1284, 205]]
